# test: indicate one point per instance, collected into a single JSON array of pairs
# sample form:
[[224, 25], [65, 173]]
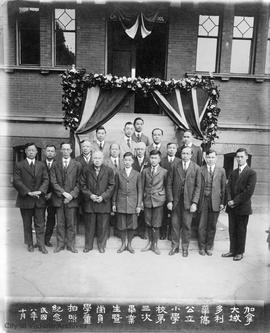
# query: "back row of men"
[[102, 183]]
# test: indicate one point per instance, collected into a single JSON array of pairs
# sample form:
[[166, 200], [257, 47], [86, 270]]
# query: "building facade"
[[41, 39]]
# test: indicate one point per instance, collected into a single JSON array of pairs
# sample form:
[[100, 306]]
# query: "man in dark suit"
[[31, 181], [183, 193], [86, 153], [240, 188], [138, 135], [167, 163], [196, 151], [50, 153], [114, 161], [65, 176], [97, 186], [100, 144], [157, 135], [212, 200]]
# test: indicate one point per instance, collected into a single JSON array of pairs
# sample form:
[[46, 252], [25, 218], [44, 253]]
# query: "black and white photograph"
[[134, 182]]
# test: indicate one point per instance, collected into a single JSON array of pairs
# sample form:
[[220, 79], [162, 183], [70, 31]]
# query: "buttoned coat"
[[218, 187], [191, 179], [101, 185], [154, 187], [196, 154], [162, 149], [124, 148], [105, 150], [145, 164], [240, 189], [69, 184], [128, 192], [168, 165], [82, 160], [26, 180], [143, 138]]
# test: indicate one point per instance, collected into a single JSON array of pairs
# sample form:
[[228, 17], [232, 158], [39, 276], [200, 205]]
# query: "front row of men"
[[101, 190]]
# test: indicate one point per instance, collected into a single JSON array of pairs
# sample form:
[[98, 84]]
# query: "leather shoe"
[[130, 249], [209, 252], [122, 248], [227, 255], [30, 248], [72, 249], [101, 250], [238, 257], [86, 249], [202, 252], [156, 250], [42, 249], [148, 247], [173, 251], [185, 253], [48, 244], [58, 249]]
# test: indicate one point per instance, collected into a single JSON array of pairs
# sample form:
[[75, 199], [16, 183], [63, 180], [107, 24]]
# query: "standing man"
[[154, 197], [86, 153], [65, 176], [114, 161], [50, 153], [100, 144], [138, 135], [196, 151], [127, 202], [212, 200], [183, 192], [240, 188], [97, 185], [126, 143], [31, 181], [157, 135]]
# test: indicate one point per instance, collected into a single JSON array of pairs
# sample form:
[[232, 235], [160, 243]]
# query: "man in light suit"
[[138, 135], [212, 200], [100, 144], [86, 153], [240, 188], [97, 186], [114, 161], [196, 151], [127, 202], [31, 181], [157, 135], [154, 197], [126, 143], [183, 193], [65, 176]]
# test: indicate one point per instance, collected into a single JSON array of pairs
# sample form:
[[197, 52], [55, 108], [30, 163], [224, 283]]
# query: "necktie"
[[115, 163], [210, 171], [152, 171], [139, 137], [170, 160], [65, 164], [49, 165], [100, 146], [185, 166], [97, 171], [128, 142], [32, 166]]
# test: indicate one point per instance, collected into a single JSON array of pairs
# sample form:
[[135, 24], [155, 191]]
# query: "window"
[[207, 44], [267, 64], [242, 44], [29, 36], [65, 35]]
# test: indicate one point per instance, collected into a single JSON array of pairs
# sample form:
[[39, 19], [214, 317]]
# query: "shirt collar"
[[186, 163], [66, 160], [188, 145], [100, 142], [30, 161], [171, 158], [241, 168], [138, 133]]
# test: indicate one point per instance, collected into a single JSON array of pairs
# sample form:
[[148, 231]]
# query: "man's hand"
[[193, 208], [67, 196], [221, 207], [99, 199], [48, 196], [230, 203], [169, 205], [93, 197], [138, 210], [114, 208], [34, 194]]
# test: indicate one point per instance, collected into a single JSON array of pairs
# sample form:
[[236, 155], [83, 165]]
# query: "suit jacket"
[[240, 189], [218, 187], [102, 185], [192, 184], [196, 156], [125, 148], [143, 138], [82, 161], [105, 150], [25, 180], [154, 187], [50, 187], [128, 192], [110, 164], [145, 164], [167, 165], [69, 184], [163, 149]]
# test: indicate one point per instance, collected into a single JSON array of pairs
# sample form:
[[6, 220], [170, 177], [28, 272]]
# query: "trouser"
[[50, 223], [207, 225], [66, 226], [181, 225], [140, 231], [165, 230], [237, 231], [96, 222], [39, 224]]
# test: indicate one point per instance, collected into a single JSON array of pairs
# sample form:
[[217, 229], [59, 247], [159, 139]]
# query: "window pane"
[[65, 19], [206, 54], [65, 48], [29, 34], [267, 65], [240, 58], [243, 27], [208, 25]]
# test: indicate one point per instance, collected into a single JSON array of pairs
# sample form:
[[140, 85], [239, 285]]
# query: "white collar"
[[128, 170], [157, 144], [138, 133], [241, 168], [100, 142], [171, 158], [187, 163], [30, 161], [66, 160], [210, 167]]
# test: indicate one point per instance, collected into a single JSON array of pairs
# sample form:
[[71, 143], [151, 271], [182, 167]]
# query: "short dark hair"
[[65, 143], [155, 152], [100, 128], [128, 153], [85, 140], [30, 144], [172, 143], [138, 118], [128, 123], [242, 150], [189, 131], [210, 151], [50, 146], [157, 129]]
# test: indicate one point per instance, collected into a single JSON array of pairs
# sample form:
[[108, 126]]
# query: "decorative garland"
[[75, 82]]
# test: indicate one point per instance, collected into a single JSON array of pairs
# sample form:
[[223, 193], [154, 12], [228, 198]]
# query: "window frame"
[[267, 48]]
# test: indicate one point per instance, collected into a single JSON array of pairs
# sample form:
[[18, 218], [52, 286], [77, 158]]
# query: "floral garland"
[[75, 82]]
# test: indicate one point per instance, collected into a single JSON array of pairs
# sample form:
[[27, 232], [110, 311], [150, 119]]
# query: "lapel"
[[28, 168], [158, 171], [70, 166], [205, 171], [38, 166], [101, 172], [190, 167], [242, 174], [181, 171]]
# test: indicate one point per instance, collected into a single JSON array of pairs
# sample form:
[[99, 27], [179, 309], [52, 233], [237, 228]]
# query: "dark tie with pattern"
[[100, 146], [128, 143]]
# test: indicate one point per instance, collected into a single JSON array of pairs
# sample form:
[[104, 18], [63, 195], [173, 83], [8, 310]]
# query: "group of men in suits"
[[153, 189]]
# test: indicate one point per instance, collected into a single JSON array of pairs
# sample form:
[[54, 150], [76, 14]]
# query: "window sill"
[[42, 69], [29, 118], [228, 76]]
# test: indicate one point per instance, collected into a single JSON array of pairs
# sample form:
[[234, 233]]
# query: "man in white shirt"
[[157, 135], [196, 150], [86, 153], [100, 143], [126, 143], [138, 135]]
